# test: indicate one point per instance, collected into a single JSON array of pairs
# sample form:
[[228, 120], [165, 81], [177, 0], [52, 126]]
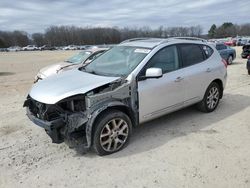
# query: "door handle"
[[208, 70], [178, 79]]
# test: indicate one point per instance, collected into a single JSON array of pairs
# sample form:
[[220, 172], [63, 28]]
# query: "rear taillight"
[[224, 62]]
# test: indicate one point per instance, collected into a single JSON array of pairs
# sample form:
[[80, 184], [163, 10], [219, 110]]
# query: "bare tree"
[[38, 39], [15, 38]]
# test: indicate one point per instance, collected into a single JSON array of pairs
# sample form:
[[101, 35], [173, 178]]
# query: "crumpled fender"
[[94, 115]]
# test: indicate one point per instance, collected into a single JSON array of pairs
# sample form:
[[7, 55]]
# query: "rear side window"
[[191, 54], [207, 51]]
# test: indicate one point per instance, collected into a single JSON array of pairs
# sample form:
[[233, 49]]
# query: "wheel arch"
[[120, 107], [113, 105]]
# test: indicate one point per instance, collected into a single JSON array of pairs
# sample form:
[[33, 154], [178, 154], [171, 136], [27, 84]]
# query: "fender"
[[94, 114]]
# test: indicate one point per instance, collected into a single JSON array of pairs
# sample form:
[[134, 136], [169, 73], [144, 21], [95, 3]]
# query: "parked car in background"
[[75, 61], [238, 42], [30, 48], [244, 41], [248, 64], [14, 49], [226, 52], [231, 42], [134, 82], [3, 50], [245, 51], [81, 48], [70, 47], [59, 47], [46, 47]]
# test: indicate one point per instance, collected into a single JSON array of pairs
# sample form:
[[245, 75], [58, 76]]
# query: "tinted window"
[[166, 59], [207, 50], [191, 54], [221, 47]]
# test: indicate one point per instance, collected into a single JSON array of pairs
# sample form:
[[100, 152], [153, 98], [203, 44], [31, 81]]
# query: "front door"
[[158, 96]]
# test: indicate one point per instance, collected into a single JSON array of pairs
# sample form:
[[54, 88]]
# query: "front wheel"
[[211, 98], [112, 131]]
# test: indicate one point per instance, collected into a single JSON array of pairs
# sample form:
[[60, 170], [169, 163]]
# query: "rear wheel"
[[230, 60], [211, 98], [112, 132]]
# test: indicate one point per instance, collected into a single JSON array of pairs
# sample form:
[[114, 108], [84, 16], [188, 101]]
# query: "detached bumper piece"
[[52, 128]]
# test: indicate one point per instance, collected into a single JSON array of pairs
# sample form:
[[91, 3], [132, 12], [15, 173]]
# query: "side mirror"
[[153, 73]]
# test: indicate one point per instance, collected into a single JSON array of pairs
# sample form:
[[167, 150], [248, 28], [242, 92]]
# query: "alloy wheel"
[[213, 98], [114, 135]]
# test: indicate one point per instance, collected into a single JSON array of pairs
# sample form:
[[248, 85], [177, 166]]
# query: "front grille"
[[43, 111]]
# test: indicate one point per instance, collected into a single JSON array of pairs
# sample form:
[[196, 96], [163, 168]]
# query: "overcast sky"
[[37, 15]]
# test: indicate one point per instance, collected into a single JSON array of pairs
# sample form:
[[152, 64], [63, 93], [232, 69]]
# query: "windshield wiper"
[[68, 61], [88, 71], [64, 67], [91, 72]]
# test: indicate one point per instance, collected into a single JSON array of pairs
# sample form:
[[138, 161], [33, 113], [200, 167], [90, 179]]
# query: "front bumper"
[[52, 128]]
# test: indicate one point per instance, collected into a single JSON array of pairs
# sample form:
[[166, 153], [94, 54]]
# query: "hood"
[[52, 69], [66, 84]]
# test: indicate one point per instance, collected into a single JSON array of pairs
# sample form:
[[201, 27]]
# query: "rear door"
[[197, 71], [162, 95]]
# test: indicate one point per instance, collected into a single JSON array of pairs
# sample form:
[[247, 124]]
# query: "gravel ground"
[[184, 149]]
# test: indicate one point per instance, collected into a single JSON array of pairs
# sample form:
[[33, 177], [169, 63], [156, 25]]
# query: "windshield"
[[79, 58], [118, 61]]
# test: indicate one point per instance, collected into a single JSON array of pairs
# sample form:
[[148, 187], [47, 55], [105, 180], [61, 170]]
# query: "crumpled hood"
[[66, 84], [52, 69]]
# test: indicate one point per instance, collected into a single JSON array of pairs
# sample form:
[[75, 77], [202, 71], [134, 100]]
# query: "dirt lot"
[[183, 149]]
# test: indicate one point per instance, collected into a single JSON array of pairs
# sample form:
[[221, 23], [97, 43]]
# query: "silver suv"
[[134, 82]]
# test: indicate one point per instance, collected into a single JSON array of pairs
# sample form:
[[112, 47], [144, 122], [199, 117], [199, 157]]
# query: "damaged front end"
[[59, 120], [71, 120]]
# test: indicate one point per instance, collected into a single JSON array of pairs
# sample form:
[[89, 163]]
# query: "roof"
[[143, 42], [153, 42]]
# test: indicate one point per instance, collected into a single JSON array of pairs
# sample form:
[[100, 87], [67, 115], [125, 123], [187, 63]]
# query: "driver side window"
[[166, 59]]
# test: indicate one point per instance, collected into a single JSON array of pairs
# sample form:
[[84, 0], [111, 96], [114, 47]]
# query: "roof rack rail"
[[135, 39], [190, 38]]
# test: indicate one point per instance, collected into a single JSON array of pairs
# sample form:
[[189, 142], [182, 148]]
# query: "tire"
[[211, 98], [112, 132], [248, 72], [230, 60]]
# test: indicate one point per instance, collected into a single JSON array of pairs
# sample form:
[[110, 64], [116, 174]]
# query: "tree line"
[[66, 35], [229, 29]]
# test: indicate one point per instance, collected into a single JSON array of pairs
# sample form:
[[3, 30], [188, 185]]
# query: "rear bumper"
[[52, 128]]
